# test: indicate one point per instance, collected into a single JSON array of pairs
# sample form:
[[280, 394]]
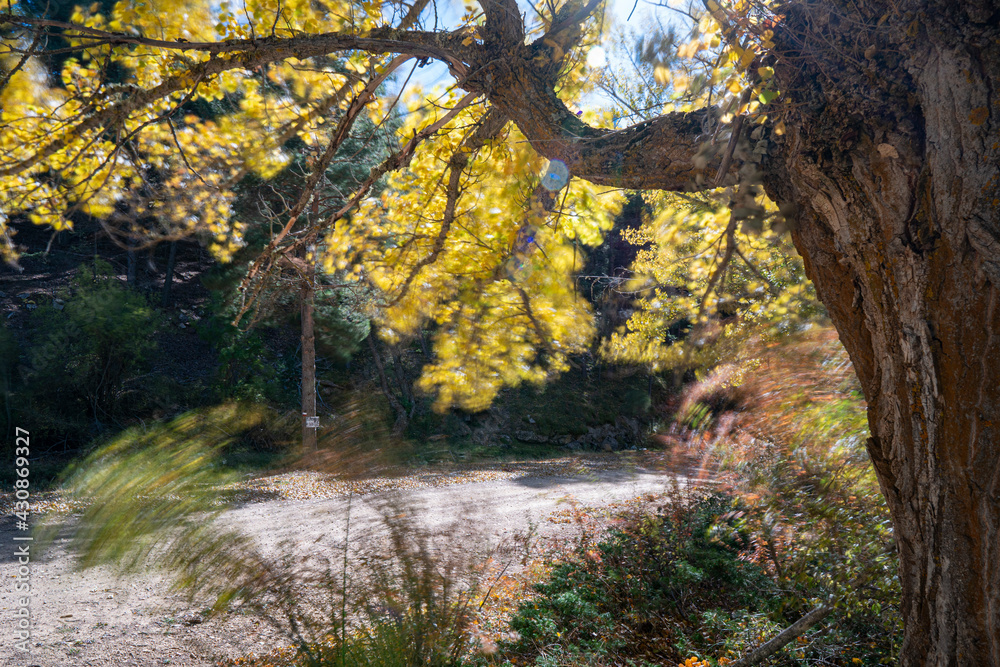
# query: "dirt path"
[[95, 618]]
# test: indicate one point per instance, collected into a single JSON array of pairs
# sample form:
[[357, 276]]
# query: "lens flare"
[[556, 176], [597, 57]]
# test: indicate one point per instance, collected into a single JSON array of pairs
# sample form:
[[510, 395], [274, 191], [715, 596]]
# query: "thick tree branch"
[[667, 153], [663, 153], [567, 24], [242, 54], [503, 22]]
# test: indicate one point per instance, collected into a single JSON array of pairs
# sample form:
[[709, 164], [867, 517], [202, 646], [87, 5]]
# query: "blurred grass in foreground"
[[151, 497]]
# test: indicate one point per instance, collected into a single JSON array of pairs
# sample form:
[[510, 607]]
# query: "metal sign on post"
[[312, 422]]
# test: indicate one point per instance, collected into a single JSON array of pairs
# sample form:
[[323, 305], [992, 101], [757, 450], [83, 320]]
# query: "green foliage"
[[340, 312], [341, 321], [261, 363], [640, 592], [248, 369], [145, 480], [818, 515], [88, 355], [794, 440], [684, 583]]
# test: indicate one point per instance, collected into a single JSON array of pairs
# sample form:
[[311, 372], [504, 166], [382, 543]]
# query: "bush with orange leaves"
[[789, 440]]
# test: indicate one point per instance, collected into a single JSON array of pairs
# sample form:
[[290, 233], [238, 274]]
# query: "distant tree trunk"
[[307, 296], [6, 399], [423, 344], [132, 260], [404, 382], [168, 277]]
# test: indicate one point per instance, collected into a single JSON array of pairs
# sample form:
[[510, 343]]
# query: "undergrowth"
[[698, 579]]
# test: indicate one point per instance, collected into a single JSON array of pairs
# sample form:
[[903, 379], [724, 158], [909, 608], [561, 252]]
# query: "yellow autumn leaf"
[[662, 75]]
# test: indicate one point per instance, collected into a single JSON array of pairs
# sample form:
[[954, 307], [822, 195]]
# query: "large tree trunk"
[[899, 229], [928, 356]]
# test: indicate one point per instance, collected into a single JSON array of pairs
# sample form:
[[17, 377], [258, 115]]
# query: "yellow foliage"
[[493, 266], [498, 283], [762, 290]]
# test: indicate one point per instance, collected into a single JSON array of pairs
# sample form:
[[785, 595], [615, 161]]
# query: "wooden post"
[[310, 421]]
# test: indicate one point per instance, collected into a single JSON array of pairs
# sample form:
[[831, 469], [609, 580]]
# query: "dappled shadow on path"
[[575, 469]]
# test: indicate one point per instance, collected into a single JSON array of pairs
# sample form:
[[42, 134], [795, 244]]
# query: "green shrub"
[[641, 593], [248, 369], [89, 354], [792, 444], [680, 584]]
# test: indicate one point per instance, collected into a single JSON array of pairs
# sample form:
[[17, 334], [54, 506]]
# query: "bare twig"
[[783, 638], [734, 138]]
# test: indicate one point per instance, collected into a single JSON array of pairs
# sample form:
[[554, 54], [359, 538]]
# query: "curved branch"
[[25, 55], [671, 152]]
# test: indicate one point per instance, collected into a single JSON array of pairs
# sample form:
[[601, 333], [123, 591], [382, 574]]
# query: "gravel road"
[[95, 618]]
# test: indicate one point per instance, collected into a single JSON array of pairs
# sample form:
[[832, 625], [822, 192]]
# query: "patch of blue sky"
[[447, 15]]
